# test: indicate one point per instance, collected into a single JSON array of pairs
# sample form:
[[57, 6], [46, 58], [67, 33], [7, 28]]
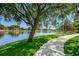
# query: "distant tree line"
[[12, 27]]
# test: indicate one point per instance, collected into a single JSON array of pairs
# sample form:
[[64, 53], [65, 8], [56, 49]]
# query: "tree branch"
[[29, 11], [19, 12]]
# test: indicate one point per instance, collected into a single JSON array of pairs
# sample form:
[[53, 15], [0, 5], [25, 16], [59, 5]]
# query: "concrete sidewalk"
[[54, 47]]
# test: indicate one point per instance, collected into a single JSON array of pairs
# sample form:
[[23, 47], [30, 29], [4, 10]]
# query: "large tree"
[[32, 14]]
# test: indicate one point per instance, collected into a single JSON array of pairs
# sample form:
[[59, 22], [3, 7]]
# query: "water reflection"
[[11, 37], [1, 34], [14, 34], [8, 37]]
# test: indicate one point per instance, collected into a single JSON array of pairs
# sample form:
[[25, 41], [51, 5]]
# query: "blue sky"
[[9, 23], [23, 25]]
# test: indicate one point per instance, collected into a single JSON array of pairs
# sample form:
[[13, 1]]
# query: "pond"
[[6, 38]]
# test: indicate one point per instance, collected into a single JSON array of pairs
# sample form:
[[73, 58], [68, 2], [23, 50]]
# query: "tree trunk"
[[33, 31]]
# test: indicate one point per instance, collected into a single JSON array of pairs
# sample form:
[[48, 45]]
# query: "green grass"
[[71, 47], [24, 48]]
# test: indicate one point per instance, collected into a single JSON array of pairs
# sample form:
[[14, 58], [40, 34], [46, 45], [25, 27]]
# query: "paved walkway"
[[54, 47]]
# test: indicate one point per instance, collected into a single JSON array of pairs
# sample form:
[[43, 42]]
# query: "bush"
[[71, 47]]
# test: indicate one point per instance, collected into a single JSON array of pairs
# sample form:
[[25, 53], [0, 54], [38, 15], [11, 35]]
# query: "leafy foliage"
[[32, 14], [23, 48], [76, 25], [71, 47], [67, 26], [12, 27], [2, 26]]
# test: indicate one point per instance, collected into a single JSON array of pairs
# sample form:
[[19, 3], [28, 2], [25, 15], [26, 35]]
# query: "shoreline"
[[24, 47]]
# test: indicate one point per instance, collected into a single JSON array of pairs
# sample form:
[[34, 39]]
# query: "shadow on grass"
[[24, 48]]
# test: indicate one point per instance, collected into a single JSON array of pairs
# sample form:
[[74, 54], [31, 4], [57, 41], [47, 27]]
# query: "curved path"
[[54, 47]]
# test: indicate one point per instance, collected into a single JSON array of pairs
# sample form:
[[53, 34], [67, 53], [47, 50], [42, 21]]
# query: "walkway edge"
[[54, 47]]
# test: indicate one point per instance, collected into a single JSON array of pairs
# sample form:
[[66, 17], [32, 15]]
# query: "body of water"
[[6, 38]]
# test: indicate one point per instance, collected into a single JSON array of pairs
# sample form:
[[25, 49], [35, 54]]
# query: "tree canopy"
[[33, 14]]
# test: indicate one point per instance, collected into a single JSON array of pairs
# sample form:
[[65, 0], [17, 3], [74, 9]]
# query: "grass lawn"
[[71, 47], [24, 48]]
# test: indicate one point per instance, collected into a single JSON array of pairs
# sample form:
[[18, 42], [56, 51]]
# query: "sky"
[[9, 23], [24, 25]]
